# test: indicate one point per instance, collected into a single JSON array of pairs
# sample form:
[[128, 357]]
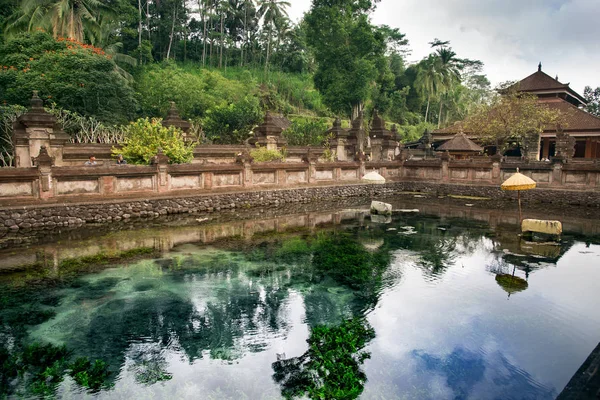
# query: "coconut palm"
[[428, 81], [74, 19], [448, 69], [272, 11]]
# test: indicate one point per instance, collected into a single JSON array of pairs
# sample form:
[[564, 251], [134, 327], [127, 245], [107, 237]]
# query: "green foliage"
[[262, 154], [86, 129], [76, 77], [348, 50], [144, 137], [513, 119], [8, 115], [88, 375], [330, 368], [411, 133], [194, 90], [347, 261], [233, 123], [593, 98], [305, 131], [43, 366]]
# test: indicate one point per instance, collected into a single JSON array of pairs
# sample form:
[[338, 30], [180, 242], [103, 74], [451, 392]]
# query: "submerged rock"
[[381, 208]]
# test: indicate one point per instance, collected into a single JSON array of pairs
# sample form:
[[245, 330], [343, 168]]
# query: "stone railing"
[[46, 181]]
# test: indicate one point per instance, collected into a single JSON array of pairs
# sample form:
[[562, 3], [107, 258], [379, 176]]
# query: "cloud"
[[509, 36]]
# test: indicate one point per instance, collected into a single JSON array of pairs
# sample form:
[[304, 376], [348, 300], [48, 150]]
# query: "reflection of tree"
[[148, 363], [330, 368]]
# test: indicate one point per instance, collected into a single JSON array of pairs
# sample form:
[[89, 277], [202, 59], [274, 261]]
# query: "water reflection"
[[419, 296]]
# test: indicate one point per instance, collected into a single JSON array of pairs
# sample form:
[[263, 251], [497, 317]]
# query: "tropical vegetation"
[[224, 62]]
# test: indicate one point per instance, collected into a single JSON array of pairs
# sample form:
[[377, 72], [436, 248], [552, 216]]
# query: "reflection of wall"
[[164, 239]]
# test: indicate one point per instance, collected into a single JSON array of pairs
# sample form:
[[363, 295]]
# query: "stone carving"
[[383, 141], [43, 159], [160, 158], [34, 129], [565, 146], [268, 134], [173, 119]]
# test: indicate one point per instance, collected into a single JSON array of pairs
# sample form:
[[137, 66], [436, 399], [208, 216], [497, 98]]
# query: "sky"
[[510, 36]]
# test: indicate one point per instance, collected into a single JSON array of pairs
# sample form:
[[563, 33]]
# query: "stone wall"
[[37, 217]]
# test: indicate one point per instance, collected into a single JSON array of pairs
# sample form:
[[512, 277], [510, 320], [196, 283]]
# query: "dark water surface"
[[437, 304]]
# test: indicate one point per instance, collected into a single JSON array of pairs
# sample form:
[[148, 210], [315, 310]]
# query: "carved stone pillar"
[[268, 134], [173, 119], [338, 140], [34, 129], [162, 164], [565, 146], [356, 137], [44, 162]]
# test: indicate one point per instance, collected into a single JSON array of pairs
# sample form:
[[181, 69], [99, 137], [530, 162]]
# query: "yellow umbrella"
[[518, 182]]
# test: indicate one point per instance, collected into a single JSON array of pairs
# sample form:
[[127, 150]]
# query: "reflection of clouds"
[[480, 375], [465, 316]]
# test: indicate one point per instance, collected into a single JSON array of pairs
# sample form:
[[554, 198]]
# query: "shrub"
[[233, 123], [194, 91], [306, 132], [262, 154], [144, 137], [8, 115], [77, 77]]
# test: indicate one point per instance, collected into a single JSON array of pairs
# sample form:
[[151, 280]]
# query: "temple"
[[580, 125]]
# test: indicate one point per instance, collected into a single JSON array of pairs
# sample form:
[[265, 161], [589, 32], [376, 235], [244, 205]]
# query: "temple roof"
[[541, 83], [575, 118], [460, 142]]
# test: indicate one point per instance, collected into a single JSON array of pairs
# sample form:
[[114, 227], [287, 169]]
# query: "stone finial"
[[268, 133], [160, 158], [337, 131], [36, 103], [358, 121], [243, 157], [378, 122], [43, 159], [540, 66], [36, 116], [173, 119]]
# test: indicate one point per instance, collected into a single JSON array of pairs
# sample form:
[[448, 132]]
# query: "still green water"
[[330, 305]]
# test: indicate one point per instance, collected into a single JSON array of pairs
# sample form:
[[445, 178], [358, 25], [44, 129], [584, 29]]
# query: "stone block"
[[381, 208], [542, 226]]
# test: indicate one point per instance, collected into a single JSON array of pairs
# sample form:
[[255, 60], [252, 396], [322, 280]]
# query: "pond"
[[436, 304]]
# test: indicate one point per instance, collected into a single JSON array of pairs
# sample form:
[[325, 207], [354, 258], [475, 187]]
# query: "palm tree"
[[74, 19], [428, 81], [271, 11], [223, 8], [448, 71]]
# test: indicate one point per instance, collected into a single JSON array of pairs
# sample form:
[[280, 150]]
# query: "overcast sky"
[[509, 36]]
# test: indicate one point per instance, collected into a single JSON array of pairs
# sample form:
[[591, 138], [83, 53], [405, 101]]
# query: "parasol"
[[518, 182]]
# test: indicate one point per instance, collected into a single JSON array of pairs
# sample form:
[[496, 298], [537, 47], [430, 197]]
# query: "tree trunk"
[[427, 110], [244, 37], [140, 29], [440, 114], [268, 50], [172, 31], [148, 20], [221, 54], [204, 34]]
